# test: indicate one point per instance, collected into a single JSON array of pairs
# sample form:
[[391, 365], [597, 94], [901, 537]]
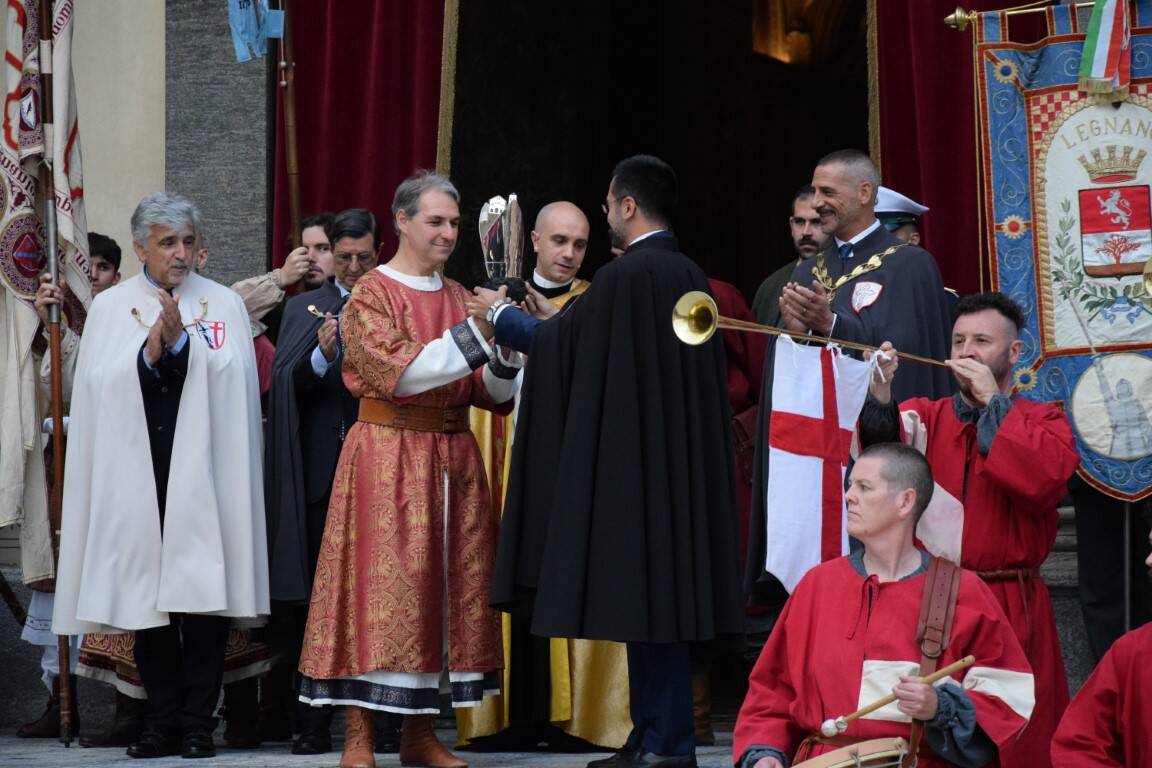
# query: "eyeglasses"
[[365, 259], [604, 206]]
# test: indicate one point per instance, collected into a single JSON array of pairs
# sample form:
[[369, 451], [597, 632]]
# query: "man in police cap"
[[899, 214]]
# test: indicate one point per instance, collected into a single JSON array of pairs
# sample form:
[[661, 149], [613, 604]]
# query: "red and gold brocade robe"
[[390, 580]]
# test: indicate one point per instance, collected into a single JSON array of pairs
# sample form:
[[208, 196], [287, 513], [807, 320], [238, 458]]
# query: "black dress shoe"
[[198, 743], [624, 757], [312, 743], [153, 743]]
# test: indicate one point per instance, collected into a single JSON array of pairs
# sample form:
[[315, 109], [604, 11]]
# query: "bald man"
[[560, 240]]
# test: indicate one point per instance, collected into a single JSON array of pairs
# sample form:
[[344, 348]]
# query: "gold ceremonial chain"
[[197, 321], [820, 271]]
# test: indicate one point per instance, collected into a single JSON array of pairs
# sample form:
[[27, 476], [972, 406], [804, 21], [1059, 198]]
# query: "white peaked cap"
[[891, 201]]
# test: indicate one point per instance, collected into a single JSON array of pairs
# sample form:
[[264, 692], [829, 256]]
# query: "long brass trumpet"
[[695, 318]]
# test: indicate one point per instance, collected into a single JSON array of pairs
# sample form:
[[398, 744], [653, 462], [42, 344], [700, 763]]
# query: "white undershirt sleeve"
[[440, 362]]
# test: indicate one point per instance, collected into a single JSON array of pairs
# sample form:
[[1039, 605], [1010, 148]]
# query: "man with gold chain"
[[867, 285], [554, 688]]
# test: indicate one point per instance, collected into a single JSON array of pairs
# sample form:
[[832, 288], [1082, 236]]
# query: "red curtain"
[[927, 122], [367, 106]]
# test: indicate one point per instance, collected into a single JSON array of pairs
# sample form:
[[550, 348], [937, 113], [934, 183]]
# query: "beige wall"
[[118, 63]]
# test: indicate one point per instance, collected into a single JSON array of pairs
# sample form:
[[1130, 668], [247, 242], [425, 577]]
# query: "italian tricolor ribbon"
[[1106, 65]]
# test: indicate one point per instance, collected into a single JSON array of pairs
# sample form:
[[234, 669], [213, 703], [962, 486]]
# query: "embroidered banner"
[[22, 249], [1068, 217]]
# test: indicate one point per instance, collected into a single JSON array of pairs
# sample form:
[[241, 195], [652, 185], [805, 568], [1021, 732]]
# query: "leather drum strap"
[[933, 631]]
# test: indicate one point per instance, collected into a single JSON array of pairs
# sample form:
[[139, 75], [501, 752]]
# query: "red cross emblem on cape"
[[212, 331]]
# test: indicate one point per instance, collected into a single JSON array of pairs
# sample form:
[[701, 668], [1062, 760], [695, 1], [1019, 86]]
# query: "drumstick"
[[840, 724]]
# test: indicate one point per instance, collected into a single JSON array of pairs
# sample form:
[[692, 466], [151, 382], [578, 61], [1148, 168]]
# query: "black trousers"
[[1101, 560], [182, 667], [660, 697]]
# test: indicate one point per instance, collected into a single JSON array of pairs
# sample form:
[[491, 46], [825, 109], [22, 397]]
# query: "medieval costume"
[[401, 584], [620, 520], [987, 460], [1107, 723], [552, 686], [183, 546], [212, 558], [744, 356], [844, 640]]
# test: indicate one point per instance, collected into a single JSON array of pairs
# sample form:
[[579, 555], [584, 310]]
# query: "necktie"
[[845, 253]]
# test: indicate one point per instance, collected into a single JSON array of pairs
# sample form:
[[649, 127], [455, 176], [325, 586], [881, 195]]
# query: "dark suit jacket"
[[515, 329], [327, 411], [161, 388]]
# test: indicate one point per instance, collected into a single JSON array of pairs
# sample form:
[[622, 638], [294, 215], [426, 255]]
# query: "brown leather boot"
[[420, 747], [702, 709], [47, 726], [357, 739]]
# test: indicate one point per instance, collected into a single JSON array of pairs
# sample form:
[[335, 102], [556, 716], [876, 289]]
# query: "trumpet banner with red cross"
[[817, 394]]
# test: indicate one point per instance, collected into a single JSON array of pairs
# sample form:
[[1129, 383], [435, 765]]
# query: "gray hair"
[[857, 164], [408, 194], [904, 468], [164, 209]]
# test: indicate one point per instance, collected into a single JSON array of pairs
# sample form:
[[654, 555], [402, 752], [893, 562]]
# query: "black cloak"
[[620, 516], [294, 478]]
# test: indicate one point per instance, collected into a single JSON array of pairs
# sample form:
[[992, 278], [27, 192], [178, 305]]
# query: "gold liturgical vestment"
[[588, 678]]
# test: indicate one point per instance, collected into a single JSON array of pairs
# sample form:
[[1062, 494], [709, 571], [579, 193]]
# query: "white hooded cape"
[[116, 574]]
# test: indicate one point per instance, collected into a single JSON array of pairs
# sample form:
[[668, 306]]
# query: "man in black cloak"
[[864, 285], [620, 519]]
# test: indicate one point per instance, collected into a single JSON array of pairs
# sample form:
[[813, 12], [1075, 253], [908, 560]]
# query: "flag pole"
[[48, 193], [291, 159]]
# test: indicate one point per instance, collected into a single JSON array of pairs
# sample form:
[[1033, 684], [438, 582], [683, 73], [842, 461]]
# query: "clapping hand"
[[326, 336], [165, 332]]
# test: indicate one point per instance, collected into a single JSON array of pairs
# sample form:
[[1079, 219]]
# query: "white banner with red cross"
[[817, 394]]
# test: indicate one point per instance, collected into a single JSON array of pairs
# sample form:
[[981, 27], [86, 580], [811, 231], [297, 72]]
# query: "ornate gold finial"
[[960, 19], [1109, 168]]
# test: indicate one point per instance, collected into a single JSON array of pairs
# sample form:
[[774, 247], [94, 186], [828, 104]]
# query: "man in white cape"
[[166, 378]]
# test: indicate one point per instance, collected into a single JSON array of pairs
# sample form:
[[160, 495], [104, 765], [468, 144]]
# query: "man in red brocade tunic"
[[1107, 724], [847, 637], [1006, 460], [400, 594]]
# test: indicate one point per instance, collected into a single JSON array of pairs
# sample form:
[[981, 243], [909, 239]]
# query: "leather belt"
[[1010, 574], [415, 417], [1024, 577]]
